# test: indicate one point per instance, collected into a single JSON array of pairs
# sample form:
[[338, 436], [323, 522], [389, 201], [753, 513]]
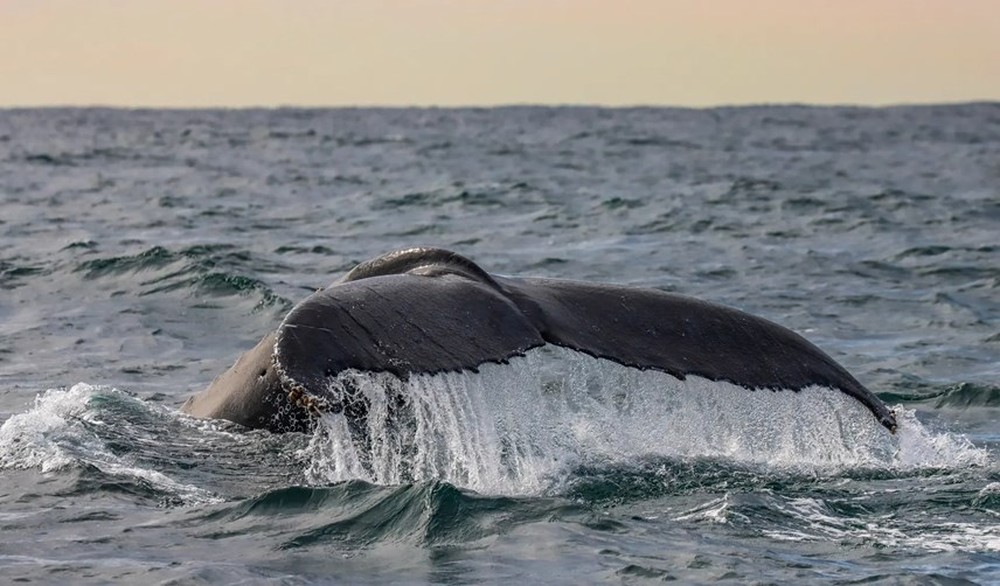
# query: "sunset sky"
[[188, 53]]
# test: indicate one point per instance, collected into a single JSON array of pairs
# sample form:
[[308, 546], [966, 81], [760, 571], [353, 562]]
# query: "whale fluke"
[[428, 310]]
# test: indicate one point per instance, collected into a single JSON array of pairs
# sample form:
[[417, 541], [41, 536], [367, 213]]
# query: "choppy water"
[[141, 251]]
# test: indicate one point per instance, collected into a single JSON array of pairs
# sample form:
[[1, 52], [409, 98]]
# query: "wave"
[[202, 270], [356, 514], [968, 395], [62, 431], [958, 396]]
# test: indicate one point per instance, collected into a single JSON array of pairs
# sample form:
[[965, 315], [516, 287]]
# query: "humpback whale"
[[428, 310]]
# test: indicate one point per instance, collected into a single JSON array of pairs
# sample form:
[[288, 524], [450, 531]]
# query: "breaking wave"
[[89, 427]]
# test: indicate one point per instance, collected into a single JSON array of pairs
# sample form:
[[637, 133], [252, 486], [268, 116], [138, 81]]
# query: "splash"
[[924, 447], [59, 432], [521, 428]]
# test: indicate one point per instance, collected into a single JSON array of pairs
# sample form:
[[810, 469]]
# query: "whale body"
[[428, 310]]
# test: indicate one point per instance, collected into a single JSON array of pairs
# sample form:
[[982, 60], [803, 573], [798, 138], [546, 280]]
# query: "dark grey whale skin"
[[427, 310]]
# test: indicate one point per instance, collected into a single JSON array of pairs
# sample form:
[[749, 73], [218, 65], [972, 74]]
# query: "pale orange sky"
[[188, 53]]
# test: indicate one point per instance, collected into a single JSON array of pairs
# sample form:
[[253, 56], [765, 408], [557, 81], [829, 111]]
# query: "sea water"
[[142, 251]]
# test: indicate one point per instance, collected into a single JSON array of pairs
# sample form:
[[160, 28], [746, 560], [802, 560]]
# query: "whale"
[[429, 310]]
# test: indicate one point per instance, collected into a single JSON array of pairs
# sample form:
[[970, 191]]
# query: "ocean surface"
[[142, 251]]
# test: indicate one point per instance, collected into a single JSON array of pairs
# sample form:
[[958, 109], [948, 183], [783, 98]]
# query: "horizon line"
[[505, 105]]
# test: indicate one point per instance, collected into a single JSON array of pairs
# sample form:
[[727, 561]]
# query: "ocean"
[[141, 251]]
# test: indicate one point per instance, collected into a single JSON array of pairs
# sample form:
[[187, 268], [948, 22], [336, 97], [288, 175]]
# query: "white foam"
[[52, 436], [817, 523], [518, 428], [23, 437], [714, 511], [921, 447]]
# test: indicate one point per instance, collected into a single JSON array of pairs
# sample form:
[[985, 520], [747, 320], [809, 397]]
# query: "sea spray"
[[519, 428]]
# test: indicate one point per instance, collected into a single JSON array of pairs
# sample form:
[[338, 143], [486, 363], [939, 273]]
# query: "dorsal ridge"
[[422, 260]]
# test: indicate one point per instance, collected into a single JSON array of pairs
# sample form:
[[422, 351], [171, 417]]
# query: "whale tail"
[[428, 310]]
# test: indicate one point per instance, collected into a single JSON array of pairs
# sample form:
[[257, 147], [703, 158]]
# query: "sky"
[[241, 53]]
